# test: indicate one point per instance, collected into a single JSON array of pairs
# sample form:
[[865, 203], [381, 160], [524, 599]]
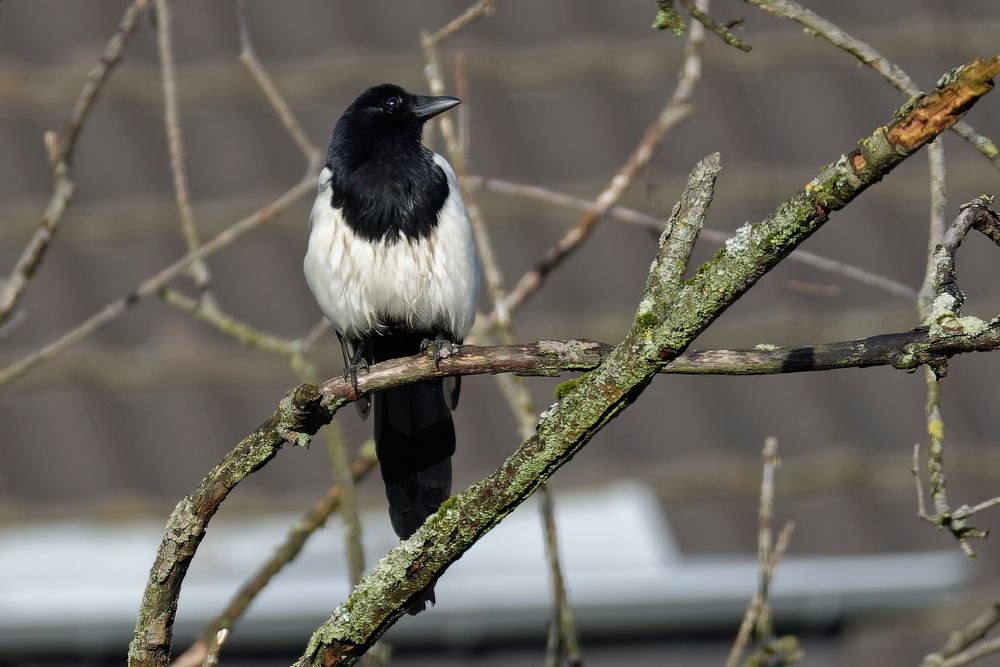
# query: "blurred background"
[[100, 442]]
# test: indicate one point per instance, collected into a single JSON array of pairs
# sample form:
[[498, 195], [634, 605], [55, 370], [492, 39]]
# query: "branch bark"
[[666, 322], [668, 319]]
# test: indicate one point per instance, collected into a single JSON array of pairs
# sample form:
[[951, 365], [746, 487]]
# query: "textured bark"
[[669, 317], [665, 324]]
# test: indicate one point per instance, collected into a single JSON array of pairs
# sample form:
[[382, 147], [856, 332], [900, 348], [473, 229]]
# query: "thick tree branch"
[[864, 52], [514, 389], [665, 324], [314, 518]]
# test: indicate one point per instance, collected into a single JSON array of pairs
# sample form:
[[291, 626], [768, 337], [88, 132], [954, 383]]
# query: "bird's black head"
[[383, 179], [386, 117]]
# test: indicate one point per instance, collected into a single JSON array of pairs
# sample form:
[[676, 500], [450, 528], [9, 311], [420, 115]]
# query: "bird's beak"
[[427, 107]]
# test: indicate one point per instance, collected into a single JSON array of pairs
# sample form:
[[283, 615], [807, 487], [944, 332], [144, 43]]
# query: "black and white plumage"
[[392, 264]]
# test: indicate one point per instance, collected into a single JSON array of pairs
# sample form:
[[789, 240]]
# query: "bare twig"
[[564, 627], [343, 472], [240, 331], [677, 108], [960, 640], [973, 653], [943, 317], [175, 143], [939, 204], [757, 622], [60, 153], [248, 56], [864, 52], [655, 226], [719, 29], [154, 283], [475, 11]]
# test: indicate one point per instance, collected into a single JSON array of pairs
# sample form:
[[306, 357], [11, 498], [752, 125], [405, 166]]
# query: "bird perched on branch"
[[393, 265]]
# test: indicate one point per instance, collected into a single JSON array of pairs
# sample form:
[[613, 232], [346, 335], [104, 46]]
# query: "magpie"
[[393, 265]]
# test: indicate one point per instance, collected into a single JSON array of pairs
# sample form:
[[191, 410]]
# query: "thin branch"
[[944, 315], [60, 152], [476, 11], [655, 226], [918, 483], [973, 653], [757, 622], [891, 72], [156, 282], [343, 472], [959, 640], [175, 144], [939, 205], [244, 333], [677, 108], [248, 56], [720, 30]]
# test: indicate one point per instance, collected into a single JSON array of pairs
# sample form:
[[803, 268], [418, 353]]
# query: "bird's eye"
[[392, 103]]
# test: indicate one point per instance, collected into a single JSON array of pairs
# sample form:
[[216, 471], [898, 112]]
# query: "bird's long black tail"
[[414, 440]]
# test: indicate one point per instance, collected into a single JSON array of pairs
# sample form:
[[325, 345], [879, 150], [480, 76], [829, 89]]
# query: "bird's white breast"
[[430, 284]]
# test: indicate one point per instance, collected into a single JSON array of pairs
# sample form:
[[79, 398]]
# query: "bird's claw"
[[351, 372], [359, 362], [438, 343]]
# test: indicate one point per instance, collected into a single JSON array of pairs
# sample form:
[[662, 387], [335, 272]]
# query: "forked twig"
[[757, 622]]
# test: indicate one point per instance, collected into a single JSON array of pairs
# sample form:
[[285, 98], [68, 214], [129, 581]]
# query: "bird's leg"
[[438, 343], [358, 361]]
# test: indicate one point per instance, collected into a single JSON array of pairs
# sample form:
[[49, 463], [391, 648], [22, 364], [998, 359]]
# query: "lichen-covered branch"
[[666, 322], [864, 52], [60, 152], [944, 317], [514, 389], [298, 415], [664, 325], [314, 518], [722, 31]]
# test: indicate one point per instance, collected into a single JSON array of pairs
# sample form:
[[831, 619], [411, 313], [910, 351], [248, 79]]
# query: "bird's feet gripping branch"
[[437, 344]]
